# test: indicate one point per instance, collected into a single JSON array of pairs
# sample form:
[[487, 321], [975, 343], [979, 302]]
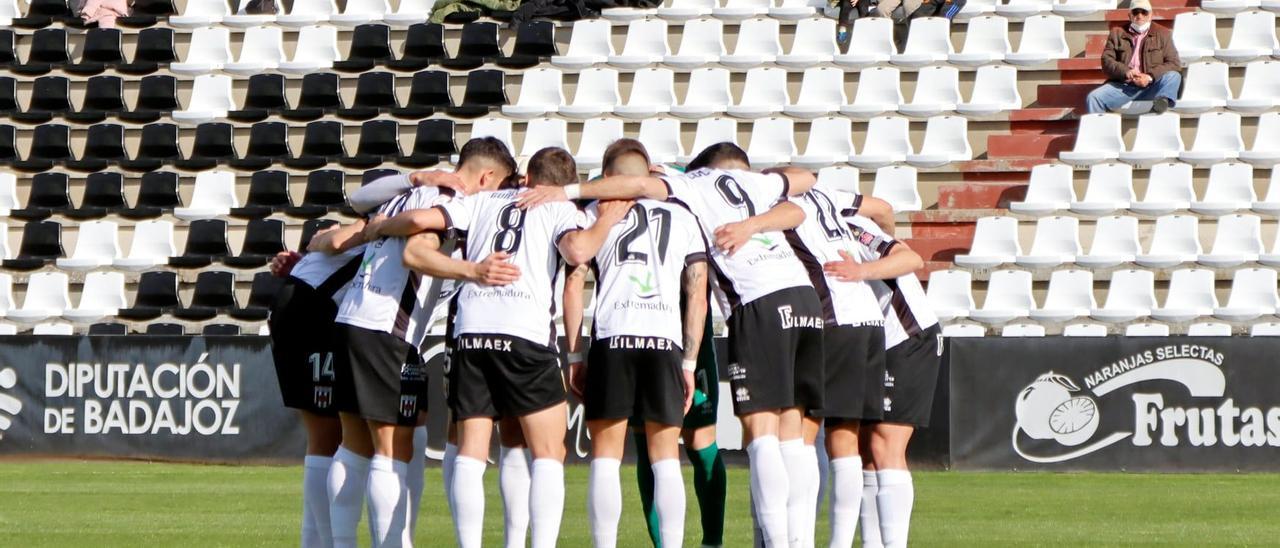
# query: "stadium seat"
[[1083, 8], [1237, 240], [1050, 189], [1098, 139], [157, 193], [1190, 296], [595, 94], [360, 12], [830, 142], [432, 141], [646, 44], [995, 242], [499, 128], [1270, 203], [263, 97], [1230, 188], [1070, 296], [8, 144], [210, 50], [597, 133], [103, 194], [541, 133], [535, 43], [157, 294], [261, 294], [8, 193], [1008, 297], [9, 96], [379, 142], [995, 89], [1110, 188], [1209, 329], [758, 44], [152, 246], [103, 97], [212, 146], [50, 194], [1195, 35], [428, 93], [839, 179], [409, 13], [201, 13], [48, 51], [878, 91], [316, 48], [102, 49], [96, 246], [741, 9], [268, 144], [47, 297], [950, 294], [261, 51], [157, 146], [9, 11], [1272, 256], [8, 47], [211, 99], [1169, 188], [154, 48], [477, 45], [963, 330], [307, 12], [540, 93], [814, 43], [1253, 294], [103, 295], [50, 98], [214, 294], [42, 13], [206, 243], [1159, 137], [986, 41], [821, 93], [590, 42], [1131, 295], [1176, 240], [108, 329], [324, 192], [652, 94], [888, 141], [103, 146], [1146, 329], [1024, 8], [1022, 330], [220, 330], [764, 92], [1205, 87], [1084, 330], [268, 194], [214, 196], [710, 131], [1265, 151], [1261, 88], [898, 186], [50, 146], [1044, 39], [796, 9], [871, 42], [486, 91], [423, 45], [928, 42], [707, 94], [946, 140], [1266, 329], [319, 96], [52, 328], [686, 9], [701, 43], [321, 143], [165, 329], [772, 142], [937, 91], [661, 137], [1253, 35], [157, 96], [1229, 6], [1057, 241]]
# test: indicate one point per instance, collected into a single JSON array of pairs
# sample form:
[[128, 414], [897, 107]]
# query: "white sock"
[[546, 487], [870, 511], [604, 502], [757, 534], [414, 480], [846, 498], [446, 468], [388, 500], [802, 497], [348, 479], [824, 469], [894, 500], [468, 500], [668, 497], [513, 483], [769, 489], [316, 530]]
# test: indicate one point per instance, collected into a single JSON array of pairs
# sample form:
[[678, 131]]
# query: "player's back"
[[818, 240], [902, 299]]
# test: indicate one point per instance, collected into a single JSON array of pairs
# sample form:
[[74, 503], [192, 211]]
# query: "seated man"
[[1151, 75]]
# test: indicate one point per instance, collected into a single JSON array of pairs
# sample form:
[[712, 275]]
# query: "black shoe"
[[1160, 105]]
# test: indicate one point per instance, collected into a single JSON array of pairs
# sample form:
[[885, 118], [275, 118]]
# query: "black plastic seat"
[[144, 13], [213, 145], [8, 144], [103, 49], [157, 96], [264, 97], [8, 48], [157, 294], [8, 96], [103, 194], [423, 45], [372, 175], [165, 329], [478, 45], [486, 91], [48, 50], [309, 230], [535, 43], [268, 144], [268, 193], [157, 193], [434, 140], [261, 294], [42, 13], [206, 243], [157, 146], [263, 238], [108, 328], [50, 97], [215, 292], [103, 146], [50, 195], [379, 142], [428, 94], [155, 48], [321, 144], [370, 47], [324, 193], [319, 96], [220, 330], [50, 146], [103, 97], [41, 245], [375, 93]]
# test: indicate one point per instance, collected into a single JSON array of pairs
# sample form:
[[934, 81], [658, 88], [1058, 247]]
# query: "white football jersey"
[[324, 271], [385, 295], [902, 299], [639, 271], [766, 264], [819, 240], [492, 222]]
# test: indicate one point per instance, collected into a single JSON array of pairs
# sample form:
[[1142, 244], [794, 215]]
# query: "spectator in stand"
[[1151, 75], [104, 12]]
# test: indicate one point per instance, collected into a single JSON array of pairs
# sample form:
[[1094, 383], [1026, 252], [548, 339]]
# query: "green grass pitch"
[[71, 503]]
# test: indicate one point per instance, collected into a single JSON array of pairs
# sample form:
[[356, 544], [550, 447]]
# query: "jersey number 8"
[[511, 223]]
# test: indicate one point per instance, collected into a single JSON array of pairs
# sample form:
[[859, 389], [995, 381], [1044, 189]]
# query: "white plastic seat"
[[8, 193], [1272, 256], [986, 41], [241, 19], [201, 13], [821, 93], [871, 42], [498, 128], [47, 297], [597, 134], [950, 294], [103, 295], [627, 13], [830, 141], [1209, 329], [772, 142], [645, 45], [1270, 203], [210, 100], [596, 94], [210, 49], [1253, 294], [1098, 139], [1070, 296], [763, 93], [937, 91], [97, 246], [815, 42], [974, 8], [590, 42], [888, 141], [1266, 329], [898, 185], [1044, 39], [1261, 89], [1083, 8], [653, 91], [1022, 330], [1115, 241], [702, 43], [995, 242], [214, 196], [687, 9], [1008, 297], [1057, 241], [1131, 295], [1190, 296], [1176, 241], [317, 49], [1159, 137], [540, 93], [1084, 330], [797, 9], [1265, 151], [1146, 329], [946, 140], [1206, 86], [6, 295], [963, 331], [1110, 187], [152, 246], [758, 43], [1024, 8], [707, 94], [878, 91], [838, 179], [409, 12], [995, 89], [263, 50], [308, 12], [741, 9], [1228, 6], [1195, 35], [1169, 189], [710, 131], [1237, 240], [928, 41], [52, 328], [1253, 35], [359, 12], [1230, 188], [541, 133], [661, 138], [1050, 189]]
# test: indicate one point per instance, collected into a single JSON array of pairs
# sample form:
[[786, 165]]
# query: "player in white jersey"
[[507, 362], [775, 320]]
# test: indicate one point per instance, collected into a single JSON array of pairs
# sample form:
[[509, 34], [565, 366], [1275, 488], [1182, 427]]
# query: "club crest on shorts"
[[408, 405], [741, 394], [323, 397]]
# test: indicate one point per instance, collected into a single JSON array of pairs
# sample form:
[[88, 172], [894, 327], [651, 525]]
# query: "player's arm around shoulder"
[[730, 237], [899, 260], [693, 282], [879, 211], [579, 246], [574, 310], [422, 254], [338, 239], [799, 180], [618, 187]]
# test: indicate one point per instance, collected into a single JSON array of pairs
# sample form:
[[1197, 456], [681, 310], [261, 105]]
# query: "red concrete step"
[[1029, 146], [1065, 96], [1094, 45], [940, 249], [982, 195]]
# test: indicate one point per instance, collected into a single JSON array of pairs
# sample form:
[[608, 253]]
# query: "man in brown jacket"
[[1150, 76]]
